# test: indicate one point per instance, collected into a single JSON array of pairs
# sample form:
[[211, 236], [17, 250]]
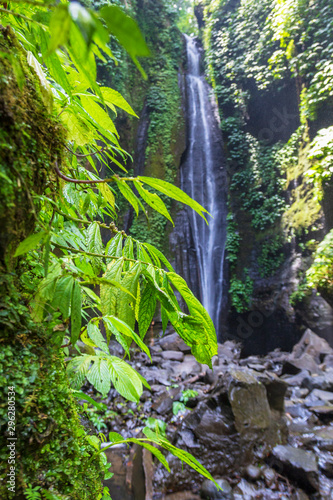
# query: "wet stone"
[[297, 464], [253, 472], [269, 476], [182, 495], [173, 355], [209, 491], [328, 361], [245, 489], [188, 367], [165, 401], [323, 382], [322, 395], [248, 400], [325, 463], [313, 345], [173, 342], [293, 366], [296, 380]]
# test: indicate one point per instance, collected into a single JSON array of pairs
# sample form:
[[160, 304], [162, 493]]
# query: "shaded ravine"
[[203, 178]]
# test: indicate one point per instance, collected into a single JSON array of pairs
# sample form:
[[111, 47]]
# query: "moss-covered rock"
[[51, 447]]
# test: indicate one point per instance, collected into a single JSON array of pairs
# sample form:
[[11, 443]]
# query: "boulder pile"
[[262, 426]]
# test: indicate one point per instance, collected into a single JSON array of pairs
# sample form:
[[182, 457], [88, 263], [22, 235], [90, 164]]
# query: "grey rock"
[[245, 489], [248, 400], [324, 382], [173, 342], [298, 411], [296, 380], [325, 462], [253, 472], [322, 410], [300, 495], [164, 402], [188, 367], [312, 345], [294, 365], [297, 464], [322, 395], [228, 351], [328, 362], [182, 495], [187, 438], [322, 438], [269, 475], [156, 376], [173, 355], [209, 491]]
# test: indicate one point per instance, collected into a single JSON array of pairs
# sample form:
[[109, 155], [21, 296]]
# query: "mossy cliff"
[[157, 140], [270, 66], [51, 447]]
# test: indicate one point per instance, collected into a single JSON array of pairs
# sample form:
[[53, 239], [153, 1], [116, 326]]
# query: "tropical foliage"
[[62, 44]]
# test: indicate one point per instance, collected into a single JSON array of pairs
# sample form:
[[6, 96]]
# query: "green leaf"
[[84, 20], [146, 309], [99, 375], [115, 246], [206, 344], [184, 456], [113, 98], [108, 293], [165, 319], [78, 368], [94, 244], [30, 243], [173, 192], [84, 62], [157, 253], [84, 397], [96, 336], [63, 295], [76, 313], [128, 194], [125, 379], [114, 437], [123, 328], [128, 250], [153, 200], [94, 441], [107, 193], [112, 330], [98, 114], [78, 130], [60, 25], [127, 32], [126, 305]]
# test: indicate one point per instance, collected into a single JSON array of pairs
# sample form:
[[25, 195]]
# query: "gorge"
[[107, 109]]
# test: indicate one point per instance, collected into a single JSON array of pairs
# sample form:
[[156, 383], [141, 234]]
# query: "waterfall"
[[203, 178]]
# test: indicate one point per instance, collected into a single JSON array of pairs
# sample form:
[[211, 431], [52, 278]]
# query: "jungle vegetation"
[[60, 283]]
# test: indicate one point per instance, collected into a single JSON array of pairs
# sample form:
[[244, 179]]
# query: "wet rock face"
[[301, 465]]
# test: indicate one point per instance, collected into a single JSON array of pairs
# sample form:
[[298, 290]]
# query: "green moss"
[[52, 450]]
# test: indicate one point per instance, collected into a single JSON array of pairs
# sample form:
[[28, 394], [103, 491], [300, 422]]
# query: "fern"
[[33, 493]]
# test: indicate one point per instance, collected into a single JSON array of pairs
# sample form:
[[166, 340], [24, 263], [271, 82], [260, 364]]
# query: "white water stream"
[[201, 179]]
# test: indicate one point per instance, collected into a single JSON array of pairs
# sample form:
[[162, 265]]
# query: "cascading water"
[[203, 178]]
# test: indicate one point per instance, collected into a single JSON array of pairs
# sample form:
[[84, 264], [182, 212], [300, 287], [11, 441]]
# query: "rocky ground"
[[263, 426]]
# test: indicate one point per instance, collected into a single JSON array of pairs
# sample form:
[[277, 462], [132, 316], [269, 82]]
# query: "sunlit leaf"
[[127, 32]]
